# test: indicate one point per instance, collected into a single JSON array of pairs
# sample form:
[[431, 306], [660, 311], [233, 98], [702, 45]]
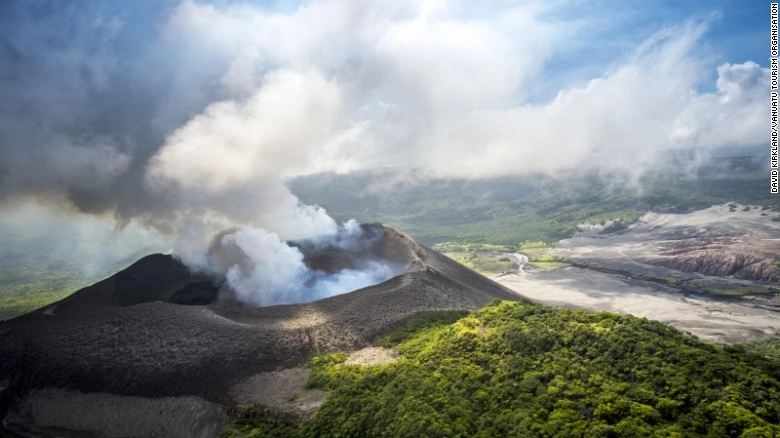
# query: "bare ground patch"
[[281, 393], [719, 241], [372, 356]]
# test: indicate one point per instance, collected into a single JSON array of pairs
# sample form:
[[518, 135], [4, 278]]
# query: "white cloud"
[[421, 85], [260, 269], [263, 138], [344, 85], [733, 116], [230, 159]]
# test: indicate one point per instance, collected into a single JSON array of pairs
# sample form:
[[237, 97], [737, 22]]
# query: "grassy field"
[[489, 259], [539, 255], [25, 288], [483, 263]]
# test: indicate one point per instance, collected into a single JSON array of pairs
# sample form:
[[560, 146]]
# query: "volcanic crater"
[[156, 330]]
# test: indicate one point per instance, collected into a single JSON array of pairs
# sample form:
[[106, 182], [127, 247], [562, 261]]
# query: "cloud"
[[269, 135], [621, 119], [164, 112], [426, 87], [732, 116]]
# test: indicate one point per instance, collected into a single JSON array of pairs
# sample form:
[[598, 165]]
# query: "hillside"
[[519, 369], [536, 207]]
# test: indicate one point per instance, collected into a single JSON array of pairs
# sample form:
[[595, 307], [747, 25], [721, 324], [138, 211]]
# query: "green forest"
[[537, 207], [517, 369]]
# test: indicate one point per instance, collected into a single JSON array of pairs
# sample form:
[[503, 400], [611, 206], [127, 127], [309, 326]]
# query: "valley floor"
[[635, 271], [726, 321]]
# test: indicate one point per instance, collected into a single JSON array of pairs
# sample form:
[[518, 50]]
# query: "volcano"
[[160, 336]]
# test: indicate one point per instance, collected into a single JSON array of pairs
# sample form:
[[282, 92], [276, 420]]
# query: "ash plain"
[[628, 272]]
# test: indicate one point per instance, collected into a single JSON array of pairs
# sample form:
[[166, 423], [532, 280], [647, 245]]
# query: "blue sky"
[[737, 32], [155, 111]]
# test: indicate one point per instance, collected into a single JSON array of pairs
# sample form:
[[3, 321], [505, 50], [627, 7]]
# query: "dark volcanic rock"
[[156, 277], [127, 334]]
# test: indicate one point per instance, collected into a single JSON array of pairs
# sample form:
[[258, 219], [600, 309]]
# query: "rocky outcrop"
[[737, 264], [745, 257]]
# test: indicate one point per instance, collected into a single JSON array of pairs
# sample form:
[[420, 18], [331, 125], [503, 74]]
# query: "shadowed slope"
[[156, 277]]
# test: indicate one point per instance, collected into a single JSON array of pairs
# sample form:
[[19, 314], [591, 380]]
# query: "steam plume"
[[259, 269]]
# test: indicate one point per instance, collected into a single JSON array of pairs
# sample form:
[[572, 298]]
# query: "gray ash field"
[[711, 272], [156, 330]]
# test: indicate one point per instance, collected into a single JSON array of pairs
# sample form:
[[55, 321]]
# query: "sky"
[[177, 118]]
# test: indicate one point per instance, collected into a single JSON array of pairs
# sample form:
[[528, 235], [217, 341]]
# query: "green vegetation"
[[725, 291], [768, 348], [539, 255], [549, 264], [494, 258], [524, 370], [485, 258], [506, 211], [483, 263], [743, 291], [425, 321], [534, 249], [694, 285], [31, 277], [472, 247], [25, 289]]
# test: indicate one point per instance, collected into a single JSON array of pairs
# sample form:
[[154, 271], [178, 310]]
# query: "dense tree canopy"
[[519, 369]]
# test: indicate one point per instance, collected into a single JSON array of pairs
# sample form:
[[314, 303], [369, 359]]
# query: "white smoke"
[[260, 269]]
